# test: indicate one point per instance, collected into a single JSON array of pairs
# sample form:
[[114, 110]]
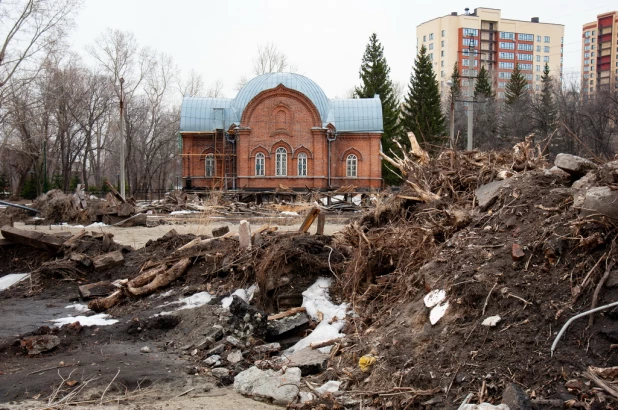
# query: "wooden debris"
[[97, 289], [317, 345], [115, 193], [146, 277], [81, 258], [217, 232], [102, 304], [311, 216], [135, 220], [321, 223], [72, 242], [287, 313], [162, 279], [34, 239], [109, 260]]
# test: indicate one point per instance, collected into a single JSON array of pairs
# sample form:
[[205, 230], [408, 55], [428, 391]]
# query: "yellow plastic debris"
[[366, 362]]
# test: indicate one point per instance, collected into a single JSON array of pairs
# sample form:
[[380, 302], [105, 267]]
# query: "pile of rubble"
[[454, 293]]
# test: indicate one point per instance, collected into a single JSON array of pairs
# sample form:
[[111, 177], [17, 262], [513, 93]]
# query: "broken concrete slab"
[[39, 344], [600, 200], [308, 360], [576, 166], [109, 260], [281, 326], [278, 386], [487, 194], [34, 239]]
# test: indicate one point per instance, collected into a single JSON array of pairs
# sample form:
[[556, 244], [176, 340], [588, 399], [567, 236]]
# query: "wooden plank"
[[34, 239], [109, 260], [309, 220], [115, 193], [321, 223], [73, 240], [287, 313], [136, 220], [98, 289]]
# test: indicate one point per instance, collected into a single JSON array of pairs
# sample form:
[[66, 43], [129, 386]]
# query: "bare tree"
[[30, 30], [193, 86], [270, 60], [215, 90]]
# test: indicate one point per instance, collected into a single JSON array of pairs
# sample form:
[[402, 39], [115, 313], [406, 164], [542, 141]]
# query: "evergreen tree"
[[456, 82], [482, 88], [374, 74], [516, 88], [422, 113], [547, 102]]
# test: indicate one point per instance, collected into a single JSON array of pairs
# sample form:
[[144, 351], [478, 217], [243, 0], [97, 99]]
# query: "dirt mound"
[[526, 258]]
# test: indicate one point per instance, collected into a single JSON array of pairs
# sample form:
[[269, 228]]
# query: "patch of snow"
[[434, 297], [491, 321], [165, 294], [182, 212], [194, 301], [38, 218], [78, 307], [333, 199], [437, 312], [100, 319], [289, 213], [244, 294], [316, 299], [12, 278], [95, 225], [331, 386]]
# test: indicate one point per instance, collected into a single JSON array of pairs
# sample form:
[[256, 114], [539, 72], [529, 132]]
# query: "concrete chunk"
[[282, 388], [244, 235], [308, 360], [39, 344], [600, 200], [487, 194], [574, 165]]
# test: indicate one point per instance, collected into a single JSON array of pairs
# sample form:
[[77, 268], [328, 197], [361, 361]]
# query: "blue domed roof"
[[293, 81]]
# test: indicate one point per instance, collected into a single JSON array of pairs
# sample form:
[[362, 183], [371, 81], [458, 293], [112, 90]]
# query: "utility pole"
[[122, 187], [470, 93]]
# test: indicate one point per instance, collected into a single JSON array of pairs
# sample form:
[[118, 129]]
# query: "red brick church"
[[280, 129]]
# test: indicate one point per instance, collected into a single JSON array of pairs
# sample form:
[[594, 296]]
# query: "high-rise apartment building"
[[600, 54], [496, 43]]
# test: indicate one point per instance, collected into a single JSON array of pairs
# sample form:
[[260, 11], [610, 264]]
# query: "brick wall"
[[285, 118]]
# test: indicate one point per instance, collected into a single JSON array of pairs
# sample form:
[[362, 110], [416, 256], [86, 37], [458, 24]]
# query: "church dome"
[[293, 81]]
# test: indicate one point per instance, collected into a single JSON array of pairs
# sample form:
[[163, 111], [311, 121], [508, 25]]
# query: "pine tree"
[[482, 88], [456, 82], [422, 113], [544, 107], [516, 88], [374, 74]]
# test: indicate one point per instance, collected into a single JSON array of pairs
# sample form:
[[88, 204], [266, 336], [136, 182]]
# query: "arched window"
[[209, 165], [351, 168], [281, 162], [259, 165], [302, 165]]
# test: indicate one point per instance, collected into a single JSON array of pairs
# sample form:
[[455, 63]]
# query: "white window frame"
[[351, 166], [281, 162], [302, 164], [209, 165], [260, 162]]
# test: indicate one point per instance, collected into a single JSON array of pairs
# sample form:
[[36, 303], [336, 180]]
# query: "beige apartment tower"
[[600, 54], [496, 43]]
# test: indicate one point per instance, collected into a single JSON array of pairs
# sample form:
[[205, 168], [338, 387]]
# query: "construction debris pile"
[[453, 293]]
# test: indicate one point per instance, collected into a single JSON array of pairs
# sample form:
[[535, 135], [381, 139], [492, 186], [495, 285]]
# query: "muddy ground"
[[96, 355]]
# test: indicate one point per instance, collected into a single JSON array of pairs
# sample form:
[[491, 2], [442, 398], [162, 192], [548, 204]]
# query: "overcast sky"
[[325, 40]]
